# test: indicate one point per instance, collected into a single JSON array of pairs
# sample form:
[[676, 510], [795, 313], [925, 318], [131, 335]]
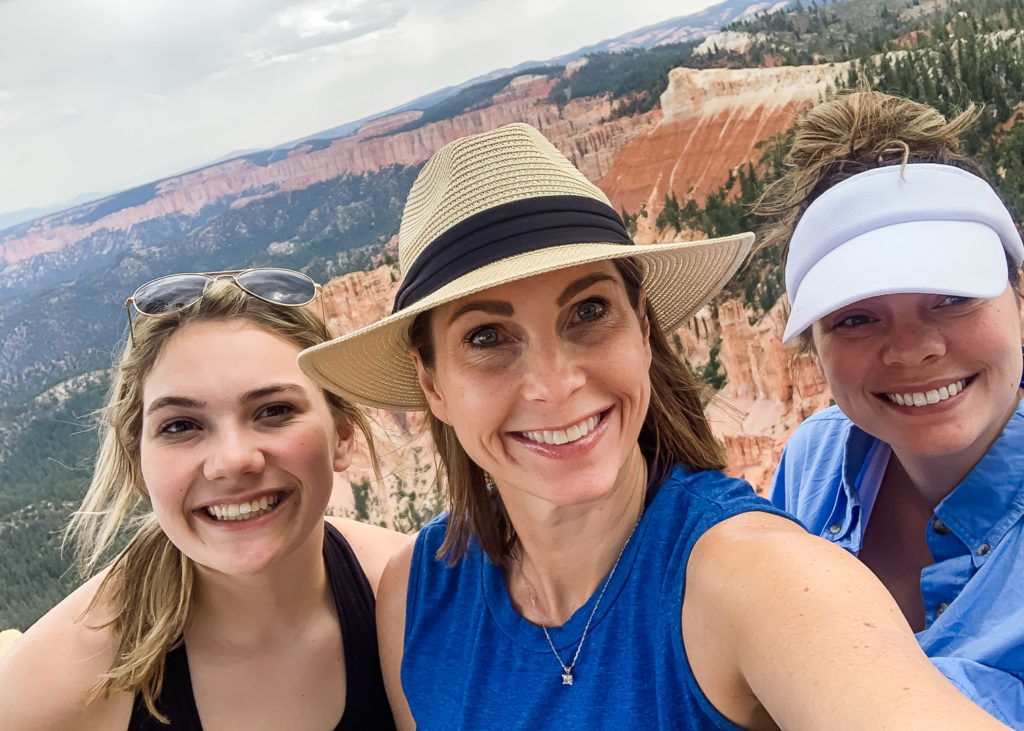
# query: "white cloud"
[[100, 94]]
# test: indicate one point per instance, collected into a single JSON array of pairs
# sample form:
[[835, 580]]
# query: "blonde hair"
[[853, 132], [149, 584], [675, 430]]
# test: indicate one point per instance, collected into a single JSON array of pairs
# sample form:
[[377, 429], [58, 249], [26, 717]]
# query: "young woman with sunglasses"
[[235, 603]]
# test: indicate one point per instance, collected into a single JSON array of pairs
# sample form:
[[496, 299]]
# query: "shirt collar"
[[991, 498]]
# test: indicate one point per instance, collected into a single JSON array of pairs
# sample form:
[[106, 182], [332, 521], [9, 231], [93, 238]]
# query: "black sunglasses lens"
[[283, 286], [170, 293]]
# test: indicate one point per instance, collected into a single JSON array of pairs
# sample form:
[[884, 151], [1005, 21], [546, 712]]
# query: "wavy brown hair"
[[149, 584], [675, 430]]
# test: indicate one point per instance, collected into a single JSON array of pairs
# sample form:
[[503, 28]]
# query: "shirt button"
[[940, 608], [835, 528], [941, 528], [983, 549]]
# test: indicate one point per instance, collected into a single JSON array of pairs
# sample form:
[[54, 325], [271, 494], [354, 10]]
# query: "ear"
[[428, 382], [346, 431]]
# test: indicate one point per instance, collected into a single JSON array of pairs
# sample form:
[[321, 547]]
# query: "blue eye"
[[951, 300], [482, 337], [590, 310]]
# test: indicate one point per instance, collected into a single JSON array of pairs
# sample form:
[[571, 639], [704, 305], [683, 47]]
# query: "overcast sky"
[[99, 95]]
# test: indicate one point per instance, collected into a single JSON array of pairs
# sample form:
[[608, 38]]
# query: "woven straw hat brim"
[[371, 366]]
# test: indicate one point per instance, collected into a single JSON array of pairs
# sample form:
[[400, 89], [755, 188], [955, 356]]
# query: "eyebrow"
[[582, 284], [505, 309], [491, 307], [179, 401], [183, 402]]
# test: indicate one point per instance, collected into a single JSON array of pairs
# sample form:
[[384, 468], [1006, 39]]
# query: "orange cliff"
[[713, 121], [770, 389]]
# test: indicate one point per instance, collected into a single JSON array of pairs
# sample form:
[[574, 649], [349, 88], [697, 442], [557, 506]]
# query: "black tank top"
[[366, 705]]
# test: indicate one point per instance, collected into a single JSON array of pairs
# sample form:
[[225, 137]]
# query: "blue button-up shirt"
[[974, 592]]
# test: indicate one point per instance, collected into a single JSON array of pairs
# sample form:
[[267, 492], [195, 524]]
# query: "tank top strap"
[[176, 700], [366, 703]]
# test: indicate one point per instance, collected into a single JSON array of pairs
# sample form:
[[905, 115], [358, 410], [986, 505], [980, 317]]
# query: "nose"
[[552, 370], [233, 454], [913, 343]]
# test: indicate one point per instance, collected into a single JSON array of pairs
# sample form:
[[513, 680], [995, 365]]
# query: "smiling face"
[[545, 382], [238, 447], [932, 375]]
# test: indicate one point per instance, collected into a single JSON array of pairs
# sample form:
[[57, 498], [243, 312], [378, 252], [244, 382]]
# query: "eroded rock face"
[[713, 121]]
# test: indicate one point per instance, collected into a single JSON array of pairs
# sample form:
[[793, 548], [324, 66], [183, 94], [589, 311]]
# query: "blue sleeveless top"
[[472, 662]]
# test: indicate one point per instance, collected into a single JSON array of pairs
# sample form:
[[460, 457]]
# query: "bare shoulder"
[[46, 676], [372, 544], [782, 627], [756, 565]]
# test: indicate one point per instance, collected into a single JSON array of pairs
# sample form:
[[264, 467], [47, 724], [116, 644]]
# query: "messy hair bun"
[[851, 133]]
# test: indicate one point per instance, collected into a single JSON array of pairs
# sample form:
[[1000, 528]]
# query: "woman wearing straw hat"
[[903, 272], [585, 487], [235, 604]]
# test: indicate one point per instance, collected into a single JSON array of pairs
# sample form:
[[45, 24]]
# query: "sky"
[[100, 95]]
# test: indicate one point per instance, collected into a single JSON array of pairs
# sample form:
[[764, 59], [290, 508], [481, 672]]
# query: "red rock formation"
[[769, 391], [713, 122]]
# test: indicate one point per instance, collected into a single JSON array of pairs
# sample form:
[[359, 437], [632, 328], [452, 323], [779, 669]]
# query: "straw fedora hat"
[[490, 209]]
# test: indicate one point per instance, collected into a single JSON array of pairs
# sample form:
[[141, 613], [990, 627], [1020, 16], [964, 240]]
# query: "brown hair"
[[149, 584], [675, 430], [853, 132]]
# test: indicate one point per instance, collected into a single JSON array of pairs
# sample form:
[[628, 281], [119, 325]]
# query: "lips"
[[929, 397]]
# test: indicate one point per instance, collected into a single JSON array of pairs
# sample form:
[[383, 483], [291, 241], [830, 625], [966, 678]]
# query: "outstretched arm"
[[391, 598], [780, 622]]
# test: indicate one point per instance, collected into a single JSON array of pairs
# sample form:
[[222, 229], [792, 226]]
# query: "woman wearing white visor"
[[903, 273]]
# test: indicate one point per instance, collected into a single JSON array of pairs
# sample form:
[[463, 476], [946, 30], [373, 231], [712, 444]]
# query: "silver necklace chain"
[[567, 676]]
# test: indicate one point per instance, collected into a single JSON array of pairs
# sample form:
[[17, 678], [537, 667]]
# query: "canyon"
[[709, 122]]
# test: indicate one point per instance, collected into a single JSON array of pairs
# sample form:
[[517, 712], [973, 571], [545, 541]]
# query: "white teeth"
[[243, 511], [573, 433], [924, 398]]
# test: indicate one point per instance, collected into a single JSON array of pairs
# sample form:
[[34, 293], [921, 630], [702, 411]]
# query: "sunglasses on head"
[[174, 291]]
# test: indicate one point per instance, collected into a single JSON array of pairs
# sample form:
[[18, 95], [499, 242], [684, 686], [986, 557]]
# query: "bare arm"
[[394, 586], [372, 545], [779, 622], [46, 675]]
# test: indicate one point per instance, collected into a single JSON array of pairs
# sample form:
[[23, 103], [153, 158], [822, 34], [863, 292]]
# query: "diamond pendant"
[[567, 677]]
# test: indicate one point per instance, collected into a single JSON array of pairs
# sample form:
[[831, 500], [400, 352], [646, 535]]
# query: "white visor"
[[932, 229]]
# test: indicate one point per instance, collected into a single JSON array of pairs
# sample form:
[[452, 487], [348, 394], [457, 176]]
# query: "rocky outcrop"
[[713, 121], [7, 638], [769, 390]]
